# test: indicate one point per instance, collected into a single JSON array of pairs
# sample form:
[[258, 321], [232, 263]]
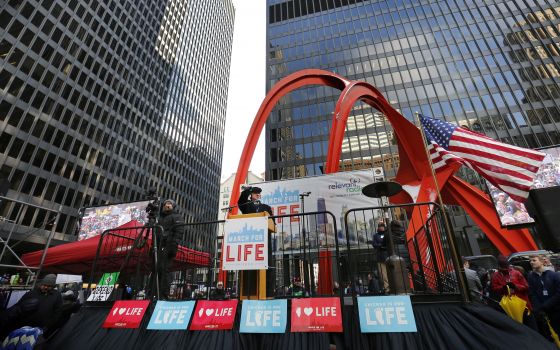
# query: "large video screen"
[[98, 219], [513, 213]]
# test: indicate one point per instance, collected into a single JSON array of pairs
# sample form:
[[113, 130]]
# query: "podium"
[[257, 284]]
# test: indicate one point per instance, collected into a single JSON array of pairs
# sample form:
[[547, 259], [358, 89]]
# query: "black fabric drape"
[[440, 326]]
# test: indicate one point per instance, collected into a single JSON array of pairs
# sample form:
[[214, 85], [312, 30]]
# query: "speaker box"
[[543, 205]]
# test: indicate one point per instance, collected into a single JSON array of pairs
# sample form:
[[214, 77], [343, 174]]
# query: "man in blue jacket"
[[544, 292]]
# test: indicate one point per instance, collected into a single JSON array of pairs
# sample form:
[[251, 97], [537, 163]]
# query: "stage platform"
[[441, 325]]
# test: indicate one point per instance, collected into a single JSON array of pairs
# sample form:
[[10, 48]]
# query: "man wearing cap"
[[172, 223], [37, 308], [250, 201]]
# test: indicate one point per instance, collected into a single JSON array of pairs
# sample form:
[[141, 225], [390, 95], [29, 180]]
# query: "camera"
[[153, 207]]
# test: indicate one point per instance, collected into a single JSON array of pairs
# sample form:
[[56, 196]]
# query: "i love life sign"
[[245, 244], [316, 315], [171, 315], [126, 314], [213, 315], [386, 314], [263, 316]]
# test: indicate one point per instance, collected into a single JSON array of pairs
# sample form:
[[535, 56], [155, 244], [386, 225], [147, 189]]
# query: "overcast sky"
[[246, 84]]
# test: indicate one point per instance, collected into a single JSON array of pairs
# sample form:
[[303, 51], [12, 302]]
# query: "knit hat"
[[169, 201], [49, 280]]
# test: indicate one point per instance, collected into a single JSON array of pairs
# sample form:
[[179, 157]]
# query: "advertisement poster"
[[105, 287], [213, 315], [98, 219], [263, 316], [316, 315], [170, 315], [245, 244], [126, 314], [336, 193], [386, 314]]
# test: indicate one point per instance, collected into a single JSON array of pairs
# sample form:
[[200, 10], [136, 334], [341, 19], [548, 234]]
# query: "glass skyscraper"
[[101, 100], [492, 66]]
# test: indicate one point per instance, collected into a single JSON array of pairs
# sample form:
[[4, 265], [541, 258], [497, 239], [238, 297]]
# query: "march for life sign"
[[126, 314], [213, 315], [105, 287], [171, 315], [316, 315], [386, 314], [264, 316], [245, 244]]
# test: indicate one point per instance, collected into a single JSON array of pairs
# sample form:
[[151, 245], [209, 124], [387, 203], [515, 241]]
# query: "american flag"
[[510, 168]]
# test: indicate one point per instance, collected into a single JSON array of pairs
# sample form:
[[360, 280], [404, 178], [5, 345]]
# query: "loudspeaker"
[[544, 206]]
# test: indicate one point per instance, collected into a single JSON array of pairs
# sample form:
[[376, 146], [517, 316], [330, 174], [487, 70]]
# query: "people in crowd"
[[187, 292], [336, 288], [172, 224], [250, 201], [548, 264], [373, 285], [544, 293], [40, 307], [296, 289], [219, 292], [508, 280], [473, 281], [359, 287], [381, 255]]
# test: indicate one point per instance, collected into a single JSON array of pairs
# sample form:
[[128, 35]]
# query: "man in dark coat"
[[172, 234], [544, 293], [381, 255], [250, 201], [37, 308]]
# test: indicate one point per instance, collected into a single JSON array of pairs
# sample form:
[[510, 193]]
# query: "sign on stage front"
[[386, 314]]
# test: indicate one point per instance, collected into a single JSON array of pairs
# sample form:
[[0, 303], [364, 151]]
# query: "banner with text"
[[263, 316], [386, 314], [335, 193], [126, 314], [213, 315], [105, 287], [316, 315], [171, 315], [245, 244]]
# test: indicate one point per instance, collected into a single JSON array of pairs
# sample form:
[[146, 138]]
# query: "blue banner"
[[171, 315], [386, 314], [263, 316]]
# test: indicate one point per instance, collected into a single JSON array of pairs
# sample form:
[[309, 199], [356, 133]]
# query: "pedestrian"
[[544, 293], [473, 281], [508, 280]]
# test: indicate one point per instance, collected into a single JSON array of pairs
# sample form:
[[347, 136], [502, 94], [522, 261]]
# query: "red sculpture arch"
[[414, 169]]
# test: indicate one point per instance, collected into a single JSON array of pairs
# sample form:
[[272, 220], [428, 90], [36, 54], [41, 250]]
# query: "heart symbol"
[[200, 312], [115, 311], [308, 310], [298, 312], [122, 310], [209, 312]]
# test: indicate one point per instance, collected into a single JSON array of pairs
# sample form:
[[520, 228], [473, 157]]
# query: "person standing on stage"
[[172, 224], [381, 255], [250, 201]]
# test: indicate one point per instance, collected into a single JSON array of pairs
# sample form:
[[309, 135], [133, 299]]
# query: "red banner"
[[316, 315], [126, 314], [213, 315]]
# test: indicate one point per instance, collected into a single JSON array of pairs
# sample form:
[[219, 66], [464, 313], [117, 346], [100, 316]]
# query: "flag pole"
[[459, 270]]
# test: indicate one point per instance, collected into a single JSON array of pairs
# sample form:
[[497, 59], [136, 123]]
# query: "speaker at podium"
[[257, 284]]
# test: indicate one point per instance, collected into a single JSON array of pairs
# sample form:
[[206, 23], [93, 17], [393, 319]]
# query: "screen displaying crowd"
[[512, 212], [98, 219]]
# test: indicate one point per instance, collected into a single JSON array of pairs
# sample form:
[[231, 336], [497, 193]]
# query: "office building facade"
[[492, 66], [102, 100]]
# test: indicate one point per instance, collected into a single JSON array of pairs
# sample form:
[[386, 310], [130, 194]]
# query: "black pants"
[[165, 263]]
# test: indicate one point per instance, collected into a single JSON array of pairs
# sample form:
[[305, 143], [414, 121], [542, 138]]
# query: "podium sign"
[[245, 244]]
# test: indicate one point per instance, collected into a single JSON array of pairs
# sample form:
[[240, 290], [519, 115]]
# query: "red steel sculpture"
[[414, 170]]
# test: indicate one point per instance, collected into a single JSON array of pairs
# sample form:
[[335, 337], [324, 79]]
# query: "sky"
[[246, 84]]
